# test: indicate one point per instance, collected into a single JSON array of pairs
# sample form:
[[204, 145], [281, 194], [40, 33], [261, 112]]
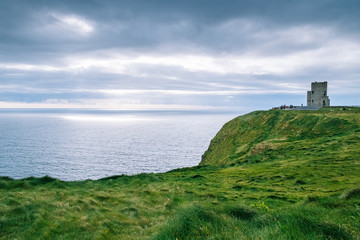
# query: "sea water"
[[77, 145]]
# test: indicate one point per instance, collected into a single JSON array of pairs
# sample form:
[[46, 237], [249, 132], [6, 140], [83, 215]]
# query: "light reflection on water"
[[96, 118], [75, 146]]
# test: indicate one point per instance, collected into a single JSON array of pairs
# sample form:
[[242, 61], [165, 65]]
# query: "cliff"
[[277, 135]]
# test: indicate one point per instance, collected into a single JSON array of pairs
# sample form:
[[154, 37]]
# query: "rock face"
[[279, 135], [318, 95]]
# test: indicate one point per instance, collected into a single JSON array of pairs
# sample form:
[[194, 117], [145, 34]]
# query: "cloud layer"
[[177, 54]]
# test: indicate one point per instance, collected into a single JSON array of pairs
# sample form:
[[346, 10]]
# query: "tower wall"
[[318, 95]]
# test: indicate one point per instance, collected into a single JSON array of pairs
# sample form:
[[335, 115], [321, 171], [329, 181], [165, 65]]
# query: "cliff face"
[[284, 135]]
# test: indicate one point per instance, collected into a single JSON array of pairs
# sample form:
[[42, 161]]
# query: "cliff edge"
[[277, 135]]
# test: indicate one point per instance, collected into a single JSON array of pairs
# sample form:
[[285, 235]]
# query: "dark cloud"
[[154, 23], [264, 45]]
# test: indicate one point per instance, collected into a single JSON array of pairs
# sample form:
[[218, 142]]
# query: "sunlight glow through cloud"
[[74, 23], [253, 64], [29, 67], [192, 92], [108, 104]]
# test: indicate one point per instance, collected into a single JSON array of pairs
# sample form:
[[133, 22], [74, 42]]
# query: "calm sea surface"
[[78, 145]]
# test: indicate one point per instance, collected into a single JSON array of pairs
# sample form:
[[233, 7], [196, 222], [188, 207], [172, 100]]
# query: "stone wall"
[[318, 95]]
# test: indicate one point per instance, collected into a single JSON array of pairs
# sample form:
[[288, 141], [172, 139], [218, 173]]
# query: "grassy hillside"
[[274, 174], [275, 135]]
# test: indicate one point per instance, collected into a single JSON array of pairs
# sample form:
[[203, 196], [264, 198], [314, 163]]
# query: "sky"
[[237, 55]]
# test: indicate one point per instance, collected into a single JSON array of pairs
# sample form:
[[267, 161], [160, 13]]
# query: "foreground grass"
[[197, 203], [302, 187]]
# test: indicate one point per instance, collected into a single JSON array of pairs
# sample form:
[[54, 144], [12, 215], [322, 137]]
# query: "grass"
[[266, 175], [303, 221]]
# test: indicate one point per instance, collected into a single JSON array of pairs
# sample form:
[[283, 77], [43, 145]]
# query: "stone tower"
[[318, 95]]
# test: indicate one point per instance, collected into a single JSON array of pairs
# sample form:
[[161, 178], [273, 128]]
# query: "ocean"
[[74, 145]]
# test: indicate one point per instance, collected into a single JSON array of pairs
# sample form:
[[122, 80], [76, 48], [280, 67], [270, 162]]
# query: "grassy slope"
[[275, 174]]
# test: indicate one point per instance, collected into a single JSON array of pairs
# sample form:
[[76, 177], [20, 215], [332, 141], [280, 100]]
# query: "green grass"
[[302, 221], [266, 175]]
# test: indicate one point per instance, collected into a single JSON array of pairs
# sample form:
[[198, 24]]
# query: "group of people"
[[283, 107]]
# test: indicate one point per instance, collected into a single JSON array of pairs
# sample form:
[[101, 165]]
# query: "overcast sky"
[[189, 54]]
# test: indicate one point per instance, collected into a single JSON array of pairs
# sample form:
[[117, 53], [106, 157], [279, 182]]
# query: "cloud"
[[29, 67], [199, 53], [72, 23]]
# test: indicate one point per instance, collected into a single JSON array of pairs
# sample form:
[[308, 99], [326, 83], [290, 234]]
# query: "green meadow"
[[267, 175]]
